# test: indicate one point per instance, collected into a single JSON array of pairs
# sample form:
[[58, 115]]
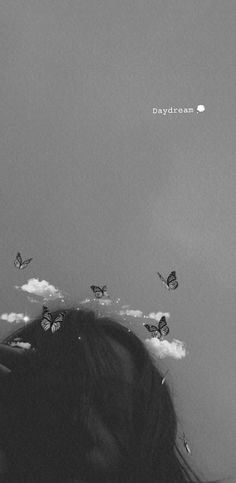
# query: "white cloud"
[[32, 300], [24, 345], [138, 313], [105, 301], [133, 313], [158, 315], [85, 301], [41, 289], [13, 317], [163, 348]]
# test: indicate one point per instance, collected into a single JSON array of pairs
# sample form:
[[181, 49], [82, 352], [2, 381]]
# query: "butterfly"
[[18, 262], [99, 292], [160, 330], [48, 324], [171, 283], [186, 445]]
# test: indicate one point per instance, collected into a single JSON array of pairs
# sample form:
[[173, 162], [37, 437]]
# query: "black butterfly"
[[48, 324], [171, 283], [99, 292], [19, 262], [158, 331], [186, 445]]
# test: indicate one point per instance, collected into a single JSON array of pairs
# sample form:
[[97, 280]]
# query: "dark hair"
[[44, 434]]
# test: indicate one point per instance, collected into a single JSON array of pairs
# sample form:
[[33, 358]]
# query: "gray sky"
[[98, 189]]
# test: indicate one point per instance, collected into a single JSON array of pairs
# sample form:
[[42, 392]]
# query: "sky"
[[98, 189]]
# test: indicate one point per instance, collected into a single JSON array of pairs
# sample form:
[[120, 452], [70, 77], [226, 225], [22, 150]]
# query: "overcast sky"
[[98, 189]]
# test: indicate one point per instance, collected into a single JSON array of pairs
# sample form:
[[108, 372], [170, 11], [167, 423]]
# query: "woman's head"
[[87, 402]]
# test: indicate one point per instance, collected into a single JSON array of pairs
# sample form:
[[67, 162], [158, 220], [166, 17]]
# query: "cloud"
[[85, 301], [163, 348], [138, 313], [24, 345], [105, 301], [42, 289], [33, 301], [101, 301], [13, 317], [133, 313], [157, 316]]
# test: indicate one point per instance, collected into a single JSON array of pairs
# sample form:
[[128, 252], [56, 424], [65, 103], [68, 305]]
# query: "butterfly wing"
[[154, 330], [18, 260], [97, 291], [60, 317], [104, 291], [57, 323], [150, 328], [163, 327], [25, 263], [55, 326], [46, 322], [162, 279], [172, 281]]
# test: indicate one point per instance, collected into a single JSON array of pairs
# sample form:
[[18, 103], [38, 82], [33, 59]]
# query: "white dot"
[[200, 108]]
